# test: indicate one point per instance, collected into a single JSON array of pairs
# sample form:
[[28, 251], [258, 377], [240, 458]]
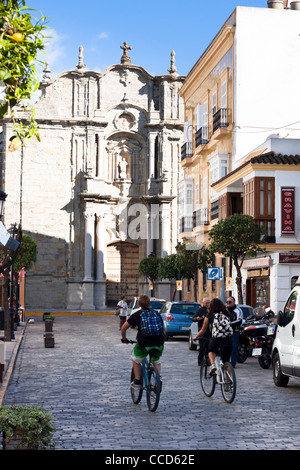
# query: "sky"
[[152, 28]]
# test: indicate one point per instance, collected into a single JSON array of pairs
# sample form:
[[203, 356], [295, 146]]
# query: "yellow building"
[[237, 125], [206, 153]]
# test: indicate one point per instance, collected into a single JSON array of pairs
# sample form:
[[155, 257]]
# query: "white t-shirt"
[[123, 311]]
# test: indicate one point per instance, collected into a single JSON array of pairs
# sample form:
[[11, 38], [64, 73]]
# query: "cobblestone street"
[[84, 383]]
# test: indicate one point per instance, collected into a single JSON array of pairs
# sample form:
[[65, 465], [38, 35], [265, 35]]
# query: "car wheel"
[[280, 380], [192, 345]]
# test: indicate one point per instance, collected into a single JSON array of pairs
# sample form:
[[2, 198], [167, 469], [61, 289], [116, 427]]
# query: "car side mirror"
[[280, 318]]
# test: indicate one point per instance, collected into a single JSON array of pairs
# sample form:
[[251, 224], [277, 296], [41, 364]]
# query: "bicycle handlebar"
[[128, 341]]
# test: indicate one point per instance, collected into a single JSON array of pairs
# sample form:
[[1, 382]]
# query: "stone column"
[[100, 283], [150, 244], [151, 155], [165, 229], [89, 219], [100, 173], [88, 283]]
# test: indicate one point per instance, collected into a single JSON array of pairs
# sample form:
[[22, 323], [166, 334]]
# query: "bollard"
[[48, 325], [2, 359], [49, 340]]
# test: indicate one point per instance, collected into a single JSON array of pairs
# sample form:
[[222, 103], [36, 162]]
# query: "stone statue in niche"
[[123, 168]]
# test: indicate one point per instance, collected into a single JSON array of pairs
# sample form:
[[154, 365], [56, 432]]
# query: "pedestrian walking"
[[123, 310]]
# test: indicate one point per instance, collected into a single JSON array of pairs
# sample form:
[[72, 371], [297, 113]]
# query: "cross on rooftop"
[[125, 59]]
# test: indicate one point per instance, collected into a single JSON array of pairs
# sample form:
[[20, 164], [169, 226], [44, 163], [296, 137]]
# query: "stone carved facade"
[[107, 165]]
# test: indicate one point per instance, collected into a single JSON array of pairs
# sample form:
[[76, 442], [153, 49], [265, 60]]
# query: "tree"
[[20, 41], [149, 267], [24, 257], [238, 236], [185, 264]]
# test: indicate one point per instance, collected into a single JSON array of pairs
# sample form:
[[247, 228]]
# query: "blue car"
[[177, 317]]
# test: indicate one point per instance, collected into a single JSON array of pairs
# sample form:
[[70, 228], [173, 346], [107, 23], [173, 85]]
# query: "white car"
[[286, 349], [155, 303]]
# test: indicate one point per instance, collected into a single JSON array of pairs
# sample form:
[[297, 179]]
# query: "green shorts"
[[140, 353]]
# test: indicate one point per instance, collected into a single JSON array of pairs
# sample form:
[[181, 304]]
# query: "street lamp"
[[3, 196]]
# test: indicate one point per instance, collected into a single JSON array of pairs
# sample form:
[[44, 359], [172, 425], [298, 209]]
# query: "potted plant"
[[26, 427]]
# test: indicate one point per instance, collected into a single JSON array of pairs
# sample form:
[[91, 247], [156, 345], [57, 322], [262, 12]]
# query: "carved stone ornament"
[[124, 122]]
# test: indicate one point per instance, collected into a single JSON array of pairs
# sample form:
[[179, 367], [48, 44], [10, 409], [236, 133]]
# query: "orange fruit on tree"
[[17, 37]]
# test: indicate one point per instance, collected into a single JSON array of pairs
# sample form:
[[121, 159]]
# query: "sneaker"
[[212, 370], [135, 386]]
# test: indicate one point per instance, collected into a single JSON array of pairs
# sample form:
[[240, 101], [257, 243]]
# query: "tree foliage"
[[21, 39], [149, 267], [27, 254], [238, 236]]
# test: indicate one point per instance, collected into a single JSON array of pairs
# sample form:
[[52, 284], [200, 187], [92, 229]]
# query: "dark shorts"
[[222, 345]]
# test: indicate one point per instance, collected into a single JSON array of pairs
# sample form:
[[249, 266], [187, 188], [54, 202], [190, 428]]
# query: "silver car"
[[155, 303]]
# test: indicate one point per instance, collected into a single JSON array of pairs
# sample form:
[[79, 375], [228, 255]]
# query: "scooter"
[[256, 340]]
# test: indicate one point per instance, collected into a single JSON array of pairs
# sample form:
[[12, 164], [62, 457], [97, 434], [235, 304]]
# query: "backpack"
[[151, 323], [221, 326]]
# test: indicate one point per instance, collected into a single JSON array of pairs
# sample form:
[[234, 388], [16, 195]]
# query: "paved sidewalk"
[[84, 383], [11, 352]]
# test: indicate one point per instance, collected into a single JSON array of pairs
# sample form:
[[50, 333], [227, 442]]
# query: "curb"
[[10, 367]]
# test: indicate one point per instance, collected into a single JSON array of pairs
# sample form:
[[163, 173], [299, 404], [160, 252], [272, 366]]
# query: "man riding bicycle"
[[146, 344]]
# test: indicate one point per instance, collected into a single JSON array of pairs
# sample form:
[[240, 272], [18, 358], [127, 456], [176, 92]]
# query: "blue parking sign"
[[214, 274]]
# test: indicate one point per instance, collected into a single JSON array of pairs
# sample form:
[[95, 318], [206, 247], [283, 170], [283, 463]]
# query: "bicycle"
[[225, 377], [151, 383]]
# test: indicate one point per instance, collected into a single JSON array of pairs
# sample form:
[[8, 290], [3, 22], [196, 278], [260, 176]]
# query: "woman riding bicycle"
[[145, 344], [221, 332]]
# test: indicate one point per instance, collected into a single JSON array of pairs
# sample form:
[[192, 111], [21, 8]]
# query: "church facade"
[[99, 192]]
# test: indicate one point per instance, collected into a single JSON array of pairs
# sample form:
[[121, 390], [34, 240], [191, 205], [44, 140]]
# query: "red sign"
[[288, 211]]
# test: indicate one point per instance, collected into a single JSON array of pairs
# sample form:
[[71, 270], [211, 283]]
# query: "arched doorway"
[[121, 272]]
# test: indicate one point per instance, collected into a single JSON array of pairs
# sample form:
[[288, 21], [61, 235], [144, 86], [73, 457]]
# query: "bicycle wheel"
[[228, 386], [153, 388], [207, 381], [136, 395]]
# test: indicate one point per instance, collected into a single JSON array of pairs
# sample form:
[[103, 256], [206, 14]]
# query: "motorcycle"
[[256, 339]]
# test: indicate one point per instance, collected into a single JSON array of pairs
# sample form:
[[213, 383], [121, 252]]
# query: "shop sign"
[[257, 263], [290, 258], [287, 211]]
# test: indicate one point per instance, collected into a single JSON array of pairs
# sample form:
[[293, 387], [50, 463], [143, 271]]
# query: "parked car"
[[193, 330], [177, 317], [155, 303], [286, 350]]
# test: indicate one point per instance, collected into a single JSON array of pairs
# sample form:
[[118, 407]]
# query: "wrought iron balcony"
[[185, 224], [186, 150], [201, 217], [221, 118], [202, 136]]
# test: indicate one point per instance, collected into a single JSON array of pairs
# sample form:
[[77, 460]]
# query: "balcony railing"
[[221, 118], [201, 217], [186, 150], [202, 136], [185, 224]]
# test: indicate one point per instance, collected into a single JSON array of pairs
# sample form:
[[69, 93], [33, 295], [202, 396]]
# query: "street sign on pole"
[[214, 274]]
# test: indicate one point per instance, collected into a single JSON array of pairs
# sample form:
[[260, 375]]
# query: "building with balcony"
[[240, 97]]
